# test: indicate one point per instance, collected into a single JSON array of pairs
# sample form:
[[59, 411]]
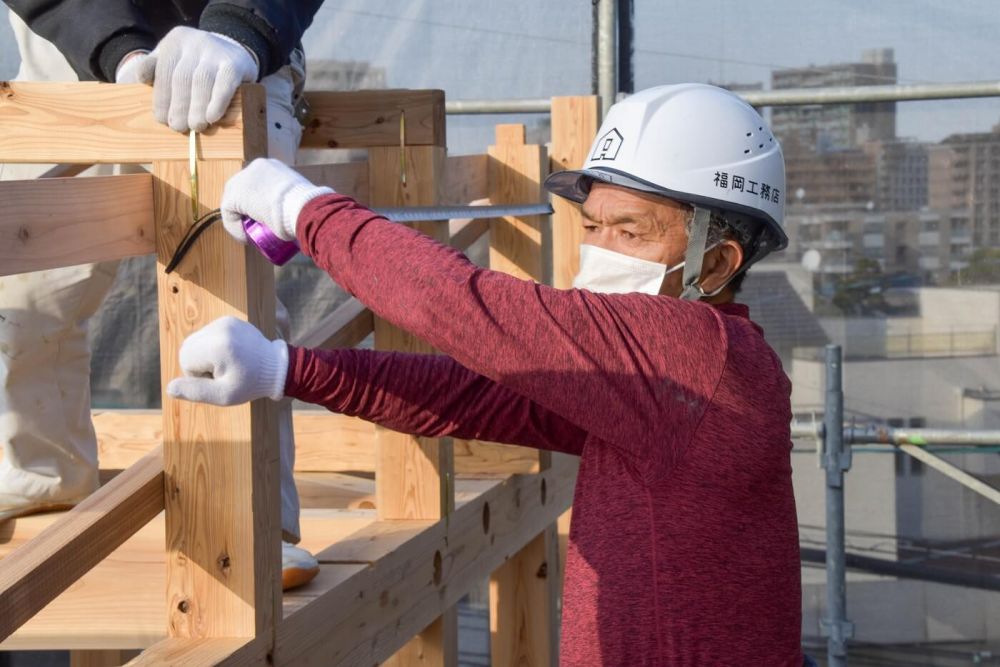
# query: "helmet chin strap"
[[694, 255]]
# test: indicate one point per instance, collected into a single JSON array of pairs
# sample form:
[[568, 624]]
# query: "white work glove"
[[271, 193], [195, 75], [230, 362], [128, 68]]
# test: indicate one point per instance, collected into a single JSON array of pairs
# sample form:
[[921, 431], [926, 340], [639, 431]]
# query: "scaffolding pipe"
[[474, 107], [887, 435], [890, 568], [869, 435], [607, 53], [836, 460], [855, 94], [773, 98]]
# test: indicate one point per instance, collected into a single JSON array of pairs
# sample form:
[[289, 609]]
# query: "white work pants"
[[47, 436]]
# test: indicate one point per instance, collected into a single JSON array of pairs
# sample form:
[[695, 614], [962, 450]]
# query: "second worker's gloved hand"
[[230, 362], [271, 193], [130, 66], [195, 74]]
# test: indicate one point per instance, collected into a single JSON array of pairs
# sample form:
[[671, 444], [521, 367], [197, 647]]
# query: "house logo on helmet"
[[608, 145]]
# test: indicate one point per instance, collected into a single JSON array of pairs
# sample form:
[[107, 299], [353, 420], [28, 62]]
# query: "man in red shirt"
[[684, 547]]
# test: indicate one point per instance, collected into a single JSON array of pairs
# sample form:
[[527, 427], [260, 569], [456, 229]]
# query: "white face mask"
[[610, 272]]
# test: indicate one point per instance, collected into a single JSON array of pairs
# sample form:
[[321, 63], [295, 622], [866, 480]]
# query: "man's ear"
[[721, 263]]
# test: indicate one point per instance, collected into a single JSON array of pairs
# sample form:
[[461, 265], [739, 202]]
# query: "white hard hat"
[[693, 143]]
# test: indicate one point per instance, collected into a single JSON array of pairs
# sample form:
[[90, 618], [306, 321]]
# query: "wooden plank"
[[324, 442], [37, 573], [66, 170], [516, 175], [520, 594], [349, 324], [470, 232], [108, 658], [575, 121], [466, 179], [221, 465], [56, 222], [366, 118], [347, 178], [222, 652], [524, 600], [101, 123], [415, 577], [413, 476], [574, 125], [119, 604]]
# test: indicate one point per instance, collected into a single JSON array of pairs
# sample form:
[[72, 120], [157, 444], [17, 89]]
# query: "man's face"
[[653, 228]]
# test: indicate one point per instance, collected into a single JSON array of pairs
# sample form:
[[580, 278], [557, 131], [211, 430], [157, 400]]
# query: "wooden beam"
[[574, 126], [119, 603], [516, 175], [102, 123], [66, 170], [221, 464], [466, 179], [522, 606], [349, 324], [347, 178], [524, 599], [324, 442], [418, 570], [56, 222], [221, 652], [575, 121], [109, 658], [367, 118], [413, 476], [37, 573], [470, 232]]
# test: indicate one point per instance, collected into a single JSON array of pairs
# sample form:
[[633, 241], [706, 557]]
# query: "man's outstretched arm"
[[425, 394]]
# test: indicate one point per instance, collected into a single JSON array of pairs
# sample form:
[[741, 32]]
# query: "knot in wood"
[[438, 567]]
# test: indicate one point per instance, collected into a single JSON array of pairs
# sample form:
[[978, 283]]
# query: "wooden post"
[[575, 121], [413, 476], [574, 126], [523, 595], [220, 464]]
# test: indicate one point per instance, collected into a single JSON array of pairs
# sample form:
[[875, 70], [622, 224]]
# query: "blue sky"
[[537, 48]]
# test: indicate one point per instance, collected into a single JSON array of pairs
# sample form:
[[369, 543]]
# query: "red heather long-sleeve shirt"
[[684, 546]]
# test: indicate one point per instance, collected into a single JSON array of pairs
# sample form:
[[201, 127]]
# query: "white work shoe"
[[298, 566], [14, 506]]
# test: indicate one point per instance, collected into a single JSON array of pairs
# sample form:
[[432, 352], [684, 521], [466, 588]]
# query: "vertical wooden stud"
[[575, 121], [220, 464], [574, 126], [413, 476], [523, 594]]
